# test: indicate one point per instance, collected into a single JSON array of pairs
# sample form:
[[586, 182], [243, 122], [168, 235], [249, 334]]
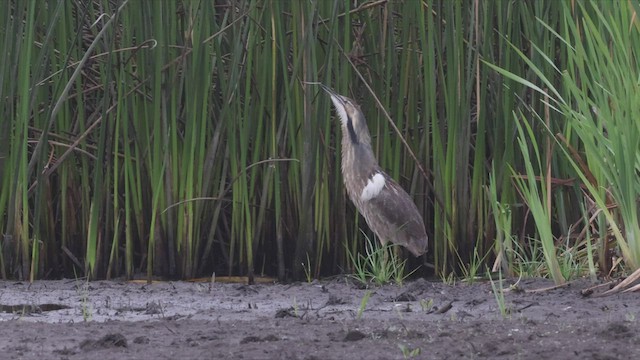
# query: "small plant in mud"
[[449, 279], [295, 308], [379, 264], [363, 303], [409, 353], [426, 305], [572, 260], [571, 264], [307, 270], [630, 317], [471, 270], [83, 289], [498, 293]]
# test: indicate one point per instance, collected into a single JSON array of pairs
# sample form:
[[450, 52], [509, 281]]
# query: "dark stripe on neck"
[[351, 130]]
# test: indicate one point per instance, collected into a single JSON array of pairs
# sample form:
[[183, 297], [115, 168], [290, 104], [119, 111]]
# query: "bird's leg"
[[385, 255]]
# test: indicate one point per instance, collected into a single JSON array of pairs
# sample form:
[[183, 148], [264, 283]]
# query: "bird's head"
[[351, 117]]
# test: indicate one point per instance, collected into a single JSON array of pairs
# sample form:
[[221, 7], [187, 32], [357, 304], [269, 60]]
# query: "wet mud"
[[334, 319]]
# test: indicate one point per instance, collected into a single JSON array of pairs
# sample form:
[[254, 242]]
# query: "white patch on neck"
[[342, 114], [373, 188]]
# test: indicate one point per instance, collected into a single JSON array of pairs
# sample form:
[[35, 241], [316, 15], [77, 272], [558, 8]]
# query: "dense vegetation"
[[178, 138]]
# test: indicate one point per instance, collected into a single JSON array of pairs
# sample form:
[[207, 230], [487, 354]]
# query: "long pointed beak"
[[339, 102], [328, 89], [334, 95]]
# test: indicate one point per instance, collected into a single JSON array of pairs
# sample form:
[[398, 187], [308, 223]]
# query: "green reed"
[[179, 139]]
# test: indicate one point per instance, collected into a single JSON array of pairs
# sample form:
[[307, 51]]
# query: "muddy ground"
[[71, 319]]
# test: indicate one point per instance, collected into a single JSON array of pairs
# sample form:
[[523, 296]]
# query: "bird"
[[388, 210]]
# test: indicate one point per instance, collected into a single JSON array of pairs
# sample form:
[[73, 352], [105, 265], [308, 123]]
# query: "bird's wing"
[[394, 207]]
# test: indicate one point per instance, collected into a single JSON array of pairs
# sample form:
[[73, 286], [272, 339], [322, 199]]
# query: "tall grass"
[[594, 120], [178, 138]]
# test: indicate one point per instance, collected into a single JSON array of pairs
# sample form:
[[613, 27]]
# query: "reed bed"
[[180, 139]]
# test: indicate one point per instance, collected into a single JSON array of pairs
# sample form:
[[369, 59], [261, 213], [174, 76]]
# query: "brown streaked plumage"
[[387, 208]]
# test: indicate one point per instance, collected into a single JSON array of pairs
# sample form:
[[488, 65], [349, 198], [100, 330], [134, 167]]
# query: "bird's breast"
[[361, 174]]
